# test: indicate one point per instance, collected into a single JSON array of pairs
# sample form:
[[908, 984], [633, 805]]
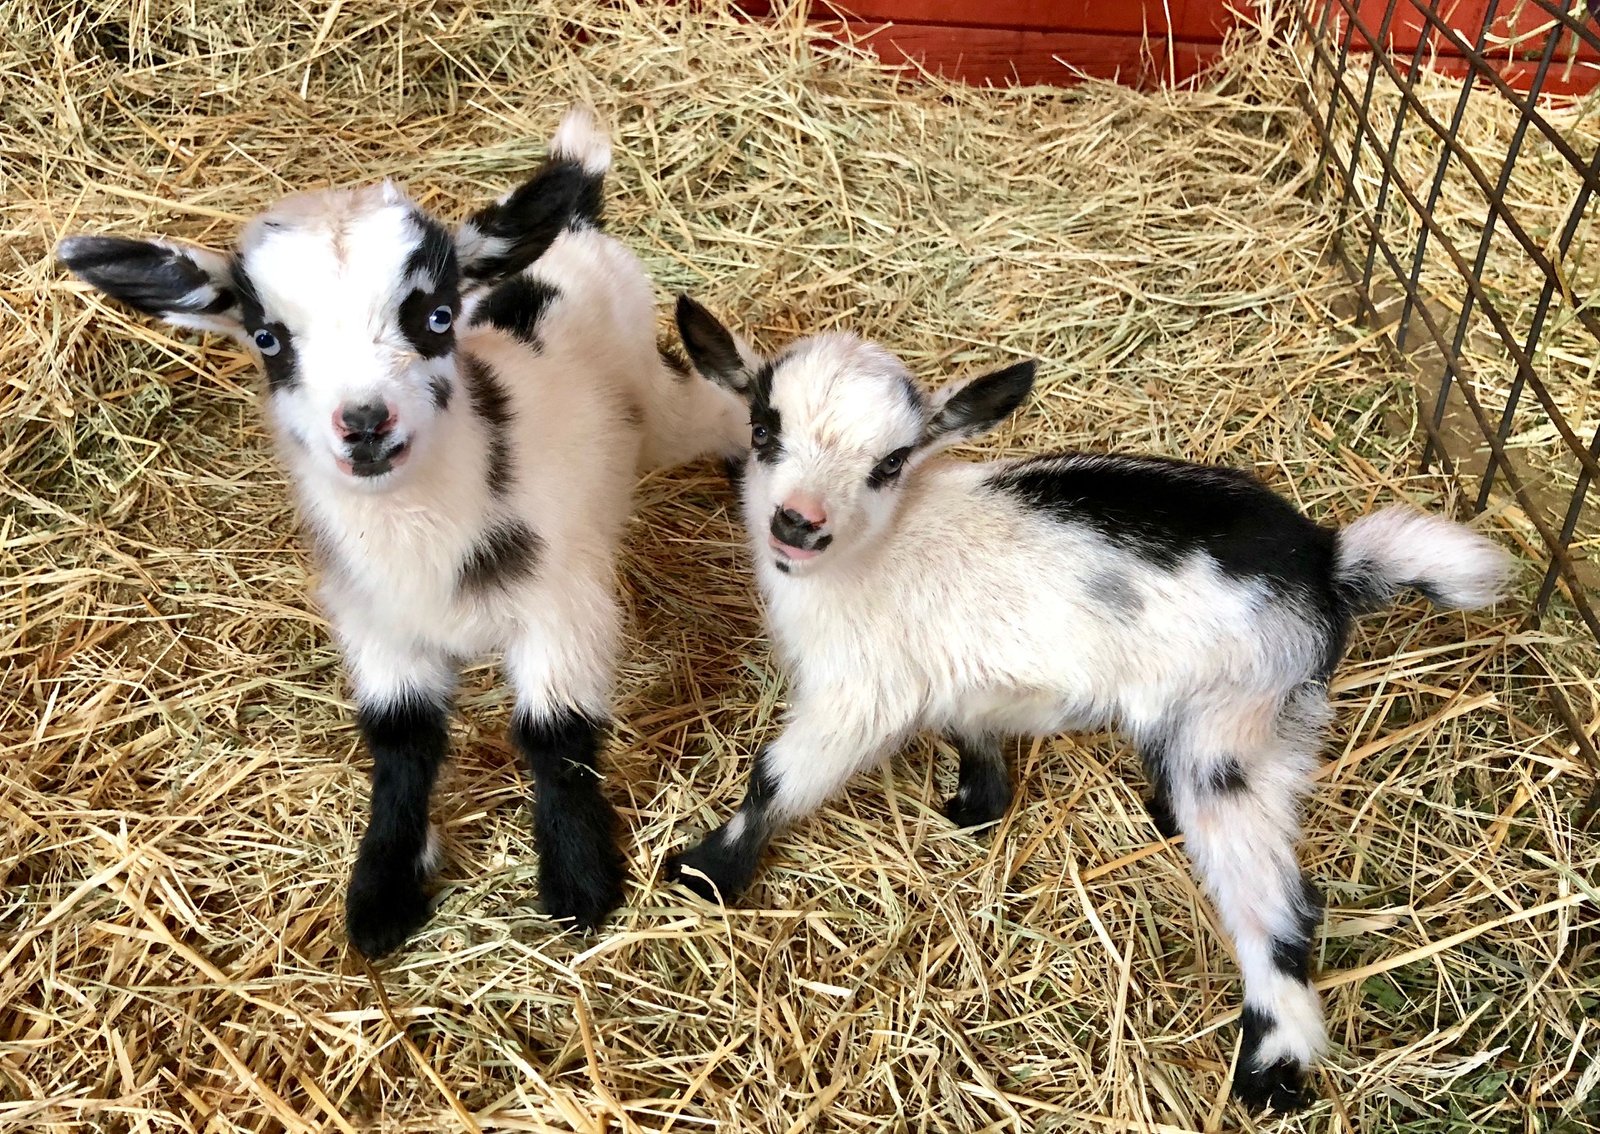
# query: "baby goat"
[[463, 417], [1187, 605]]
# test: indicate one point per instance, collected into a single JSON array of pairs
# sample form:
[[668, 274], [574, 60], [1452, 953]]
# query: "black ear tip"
[[75, 251], [689, 307]]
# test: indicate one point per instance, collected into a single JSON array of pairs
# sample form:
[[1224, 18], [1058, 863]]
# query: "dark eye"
[[439, 320], [760, 435], [889, 467], [267, 342]]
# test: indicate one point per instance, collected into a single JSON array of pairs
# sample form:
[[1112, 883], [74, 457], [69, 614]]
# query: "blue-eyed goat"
[[1186, 605], [463, 416]]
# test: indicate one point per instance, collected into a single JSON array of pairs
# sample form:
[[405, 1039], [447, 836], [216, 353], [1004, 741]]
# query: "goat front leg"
[[792, 777], [403, 708], [562, 677]]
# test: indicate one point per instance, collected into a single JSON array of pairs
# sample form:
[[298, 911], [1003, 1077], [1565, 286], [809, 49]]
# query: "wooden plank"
[[1512, 20], [1202, 20], [1005, 57]]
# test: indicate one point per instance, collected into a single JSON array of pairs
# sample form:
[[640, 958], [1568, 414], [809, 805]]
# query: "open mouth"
[[791, 553], [362, 462]]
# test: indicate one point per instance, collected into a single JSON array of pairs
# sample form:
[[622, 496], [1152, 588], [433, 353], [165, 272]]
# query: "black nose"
[[791, 527], [369, 419]]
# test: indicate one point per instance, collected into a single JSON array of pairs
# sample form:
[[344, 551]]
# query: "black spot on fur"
[[729, 861], [434, 258], [672, 358], [912, 395], [282, 369], [1115, 592], [1227, 778], [580, 868], [764, 415], [1166, 510], [440, 389], [493, 407], [507, 552], [386, 901], [516, 306], [1365, 587], [560, 195], [1291, 954], [1279, 1085]]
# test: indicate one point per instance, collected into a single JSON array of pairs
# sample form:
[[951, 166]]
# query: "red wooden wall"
[[1145, 42]]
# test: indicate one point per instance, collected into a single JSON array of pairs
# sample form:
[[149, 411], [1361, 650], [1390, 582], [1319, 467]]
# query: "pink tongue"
[[791, 552]]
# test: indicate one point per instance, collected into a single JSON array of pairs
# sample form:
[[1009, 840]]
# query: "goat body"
[[463, 418], [1186, 605]]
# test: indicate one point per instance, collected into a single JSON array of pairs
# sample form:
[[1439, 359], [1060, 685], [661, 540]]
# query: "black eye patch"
[[765, 432], [416, 310], [889, 468]]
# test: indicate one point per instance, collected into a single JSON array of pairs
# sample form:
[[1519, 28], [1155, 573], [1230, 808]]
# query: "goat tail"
[[566, 192], [1400, 549], [580, 140]]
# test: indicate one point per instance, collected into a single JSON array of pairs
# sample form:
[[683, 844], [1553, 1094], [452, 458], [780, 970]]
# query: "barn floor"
[[182, 788]]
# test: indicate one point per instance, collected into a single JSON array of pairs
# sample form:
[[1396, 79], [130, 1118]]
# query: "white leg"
[[1233, 777], [817, 753]]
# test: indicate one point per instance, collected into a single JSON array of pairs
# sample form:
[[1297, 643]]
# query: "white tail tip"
[[581, 139]]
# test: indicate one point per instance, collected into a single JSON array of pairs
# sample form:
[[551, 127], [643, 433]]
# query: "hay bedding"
[[182, 786]]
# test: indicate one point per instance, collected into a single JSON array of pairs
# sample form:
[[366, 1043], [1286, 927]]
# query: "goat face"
[[837, 428], [348, 298]]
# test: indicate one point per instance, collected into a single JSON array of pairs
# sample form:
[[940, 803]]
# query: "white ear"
[[390, 193], [183, 284]]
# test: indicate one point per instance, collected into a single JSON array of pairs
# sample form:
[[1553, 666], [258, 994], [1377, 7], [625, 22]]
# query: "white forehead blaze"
[[837, 393], [334, 262]]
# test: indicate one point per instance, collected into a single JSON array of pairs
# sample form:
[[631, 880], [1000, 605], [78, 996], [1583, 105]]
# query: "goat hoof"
[[1280, 1086], [710, 872], [967, 808], [582, 886], [382, 910]]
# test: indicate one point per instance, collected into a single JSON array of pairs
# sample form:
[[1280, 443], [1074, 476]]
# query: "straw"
[[181, 788]]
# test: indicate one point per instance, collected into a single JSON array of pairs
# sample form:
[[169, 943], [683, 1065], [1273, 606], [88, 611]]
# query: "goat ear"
[[973, 408], [715, 351], [182, 284]]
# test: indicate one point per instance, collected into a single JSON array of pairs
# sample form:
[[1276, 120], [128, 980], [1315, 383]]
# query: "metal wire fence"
[[1464, 160]]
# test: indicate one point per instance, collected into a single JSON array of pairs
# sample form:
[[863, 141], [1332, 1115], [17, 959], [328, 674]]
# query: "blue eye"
[[267, 342], [439, 320]]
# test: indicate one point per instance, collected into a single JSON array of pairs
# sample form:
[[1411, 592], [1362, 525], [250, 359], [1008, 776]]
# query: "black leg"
[[722, 865], [386, 901], [985, 789], [1157, 767], [580, 868]]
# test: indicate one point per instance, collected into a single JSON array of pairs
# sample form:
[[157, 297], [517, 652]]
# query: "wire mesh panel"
[[1474, 242]]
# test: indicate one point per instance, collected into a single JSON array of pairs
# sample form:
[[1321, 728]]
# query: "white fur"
[[591, 405], [943, 603], [581, 139], [1460, 568]]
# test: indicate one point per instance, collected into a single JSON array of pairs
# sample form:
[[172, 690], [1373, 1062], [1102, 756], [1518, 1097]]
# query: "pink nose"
[[808, 507], [368, 419]]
